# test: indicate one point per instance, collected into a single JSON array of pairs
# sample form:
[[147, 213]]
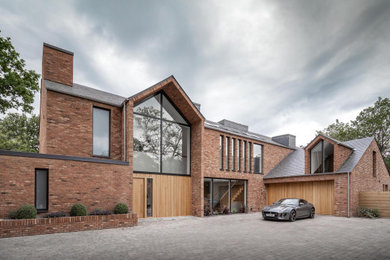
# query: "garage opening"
[[319, 193]]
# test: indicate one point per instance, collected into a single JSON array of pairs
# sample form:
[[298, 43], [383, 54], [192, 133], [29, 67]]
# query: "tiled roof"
[[85, 92], [294, 163], [246, 134]]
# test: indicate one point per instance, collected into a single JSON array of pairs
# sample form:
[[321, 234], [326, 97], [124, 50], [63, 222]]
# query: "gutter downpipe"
[[124, 128], [348, 173]]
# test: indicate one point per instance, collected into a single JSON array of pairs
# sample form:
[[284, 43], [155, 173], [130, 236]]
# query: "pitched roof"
[[294, 163], [246, 134], [85, 92]]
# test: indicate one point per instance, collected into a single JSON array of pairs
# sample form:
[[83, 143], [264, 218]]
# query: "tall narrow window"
[[244, 152], [258, 158], [101, 132], [249, 157], [227, 153], [221, 152], [239, 155], [149, 198], [374, 164], [41, 189], [233, 154]]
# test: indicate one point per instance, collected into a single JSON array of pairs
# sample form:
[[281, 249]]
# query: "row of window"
[[242, 154]]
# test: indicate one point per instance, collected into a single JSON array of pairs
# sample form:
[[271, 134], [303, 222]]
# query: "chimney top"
[[58, 48], [286, 140], [57, 65]]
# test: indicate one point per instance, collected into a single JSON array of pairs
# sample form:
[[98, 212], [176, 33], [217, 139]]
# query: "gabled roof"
[[247, 134], [294, 163], [85, 92]]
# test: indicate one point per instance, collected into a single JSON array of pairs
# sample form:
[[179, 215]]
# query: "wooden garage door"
[[319, 193]]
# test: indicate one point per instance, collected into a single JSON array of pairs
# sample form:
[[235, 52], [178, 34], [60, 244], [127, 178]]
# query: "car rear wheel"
[[293, 216], [312, 213]]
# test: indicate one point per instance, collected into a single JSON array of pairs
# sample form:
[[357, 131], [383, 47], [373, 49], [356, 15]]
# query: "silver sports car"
[[289, 209]]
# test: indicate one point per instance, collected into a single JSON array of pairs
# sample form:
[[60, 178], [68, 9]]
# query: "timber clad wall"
[[376, 200], [272, 155], [96, 185]]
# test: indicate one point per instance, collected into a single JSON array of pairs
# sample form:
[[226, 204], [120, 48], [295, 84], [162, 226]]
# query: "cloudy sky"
[[277, 66]]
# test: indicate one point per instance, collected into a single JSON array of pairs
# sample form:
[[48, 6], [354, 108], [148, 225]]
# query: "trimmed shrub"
[[26, 211], [121, 208], [12, 214], [99, 212], [78, 210], [368, 213], [55, 215]]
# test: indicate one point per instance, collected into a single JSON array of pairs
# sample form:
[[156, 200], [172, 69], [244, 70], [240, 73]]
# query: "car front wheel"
[[312, 213], [293, 216]]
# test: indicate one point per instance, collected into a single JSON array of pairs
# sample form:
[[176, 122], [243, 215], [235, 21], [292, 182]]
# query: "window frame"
[[322, 141], [239, 155], [109, 132], [261, 159], [244, 151], [374, 164], [162, 93], [47, 190], [227, 149], [233, 154], [221, 152]]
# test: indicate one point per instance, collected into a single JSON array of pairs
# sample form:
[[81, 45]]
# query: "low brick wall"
[[39, 226]]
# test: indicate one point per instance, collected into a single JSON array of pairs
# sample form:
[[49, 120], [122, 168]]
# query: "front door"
[[139, 206]]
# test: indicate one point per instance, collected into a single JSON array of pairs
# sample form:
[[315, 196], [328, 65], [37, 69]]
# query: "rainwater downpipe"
[[124, 129], [348, 173]]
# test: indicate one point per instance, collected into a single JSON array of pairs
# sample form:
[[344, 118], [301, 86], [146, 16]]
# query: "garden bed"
[[39, 226]]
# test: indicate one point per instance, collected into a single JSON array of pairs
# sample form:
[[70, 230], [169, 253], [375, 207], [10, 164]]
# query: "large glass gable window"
[[321, 157], [161, 138]]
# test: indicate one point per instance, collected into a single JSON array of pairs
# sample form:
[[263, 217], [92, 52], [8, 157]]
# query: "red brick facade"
[[66, 129], [28, 227]]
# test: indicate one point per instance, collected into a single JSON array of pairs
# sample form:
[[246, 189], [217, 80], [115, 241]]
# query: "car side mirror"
[[301, 203]]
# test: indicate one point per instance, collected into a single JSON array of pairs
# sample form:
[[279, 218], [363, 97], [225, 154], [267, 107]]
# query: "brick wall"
[[96, 185], [29, 227], [57, 65], [362, 178], [69, 126], [256, 193]]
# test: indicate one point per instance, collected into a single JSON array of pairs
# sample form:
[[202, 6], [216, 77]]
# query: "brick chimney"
[[57, 65]]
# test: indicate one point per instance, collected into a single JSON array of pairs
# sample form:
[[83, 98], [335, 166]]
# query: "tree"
[[17, 85], [19, 132], [371, 121]]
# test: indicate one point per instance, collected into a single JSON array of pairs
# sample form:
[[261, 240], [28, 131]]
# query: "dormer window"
[[322, 157]]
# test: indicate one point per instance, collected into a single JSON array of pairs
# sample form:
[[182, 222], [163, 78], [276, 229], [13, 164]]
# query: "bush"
[[121, 208], [368, 213], [55, 215], [78, 210], [12, 214], [26, 211], [99, 212]]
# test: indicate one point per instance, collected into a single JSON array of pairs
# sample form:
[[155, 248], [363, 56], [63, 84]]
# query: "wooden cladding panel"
[[171, 194], [376, 200], [319, 193], [139, 197]]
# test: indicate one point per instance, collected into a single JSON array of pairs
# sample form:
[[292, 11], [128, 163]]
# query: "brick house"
[[157, 153]]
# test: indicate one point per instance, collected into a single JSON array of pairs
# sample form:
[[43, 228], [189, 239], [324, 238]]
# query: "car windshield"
[[288, 202]]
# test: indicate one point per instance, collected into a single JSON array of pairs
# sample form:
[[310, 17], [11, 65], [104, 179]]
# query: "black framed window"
[[101, 132], [233, 154], [250, 157], [221, 152], [41, 190], [321, 157], [239, 155], [245, 154], [258, 158], [374, 164], [161, 137], [227, 153], [149, 197]]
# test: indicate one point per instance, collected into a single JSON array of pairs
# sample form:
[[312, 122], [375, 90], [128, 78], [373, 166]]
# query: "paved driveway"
[[244, 236]]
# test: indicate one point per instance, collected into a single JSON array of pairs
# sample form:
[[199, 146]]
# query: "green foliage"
[[78, 210], [371, 121], [12, 214], [121, 208], [17, 85], [368, 213], [19, 133], [26, 211]]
